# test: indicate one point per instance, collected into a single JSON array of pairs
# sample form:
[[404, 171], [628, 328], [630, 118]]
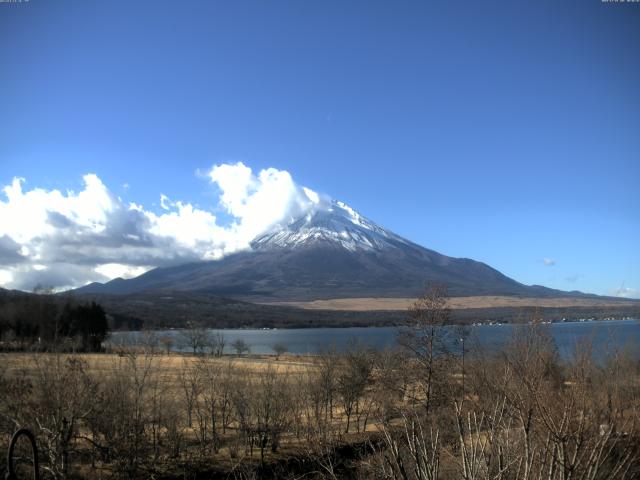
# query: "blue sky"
[[504, 131]]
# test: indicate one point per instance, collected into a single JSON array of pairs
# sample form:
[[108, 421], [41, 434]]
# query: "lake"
[[307, 341]]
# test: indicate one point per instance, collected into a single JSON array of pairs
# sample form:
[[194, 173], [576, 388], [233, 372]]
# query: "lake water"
[[604, 334]]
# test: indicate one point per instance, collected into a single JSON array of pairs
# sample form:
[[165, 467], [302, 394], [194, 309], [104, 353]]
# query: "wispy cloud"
[[68, 239], [626, 292], [549, 262]]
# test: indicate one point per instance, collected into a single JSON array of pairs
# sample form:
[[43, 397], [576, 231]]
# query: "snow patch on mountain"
[[333, 223]]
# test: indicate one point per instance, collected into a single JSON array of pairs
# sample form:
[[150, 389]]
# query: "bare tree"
[[424, 337], [63, 397], [327, 381], [189, 378], [279, 349], [171, 422], [119, 424], [354, 376], [149, 342], [227, 385], [210, 403], [393, 379], [241, 347], [167, 341], [411, 453], [263, 410], [195, 338], [216, 343]]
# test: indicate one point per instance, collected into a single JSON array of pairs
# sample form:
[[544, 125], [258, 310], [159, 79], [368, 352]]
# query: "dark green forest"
[[45, 321]]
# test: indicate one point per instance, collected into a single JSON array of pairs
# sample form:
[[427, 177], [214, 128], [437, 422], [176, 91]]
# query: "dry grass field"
[[395, 304], [168, 366], [166, 381]]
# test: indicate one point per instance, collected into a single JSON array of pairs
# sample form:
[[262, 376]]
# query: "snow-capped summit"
[[334, 223], [326, 250]]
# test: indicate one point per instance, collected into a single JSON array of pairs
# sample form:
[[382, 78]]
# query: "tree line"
[[47, 322]]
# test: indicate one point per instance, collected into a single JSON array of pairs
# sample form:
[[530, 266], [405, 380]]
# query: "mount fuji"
[[330, 251]]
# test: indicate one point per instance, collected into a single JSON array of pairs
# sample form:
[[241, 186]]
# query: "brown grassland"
[[455, 303]]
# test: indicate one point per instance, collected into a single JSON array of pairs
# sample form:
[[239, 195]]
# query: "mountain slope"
[[330, 252]]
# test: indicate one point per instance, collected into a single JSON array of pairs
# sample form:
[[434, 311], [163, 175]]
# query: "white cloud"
[[165, 203], [114, 270], [190, 227], [626, 292], [258, 202], [311, 195], [6, 276], [65, 240], [549, 262]]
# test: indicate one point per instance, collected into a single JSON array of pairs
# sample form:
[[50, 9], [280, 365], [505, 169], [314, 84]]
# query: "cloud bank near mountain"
[[62, 240]]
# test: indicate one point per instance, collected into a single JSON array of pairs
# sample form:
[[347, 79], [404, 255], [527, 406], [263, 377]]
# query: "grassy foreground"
[[417, 413], [178, 399]]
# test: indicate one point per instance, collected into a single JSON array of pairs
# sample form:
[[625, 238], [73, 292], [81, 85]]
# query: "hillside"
[[330, 252]]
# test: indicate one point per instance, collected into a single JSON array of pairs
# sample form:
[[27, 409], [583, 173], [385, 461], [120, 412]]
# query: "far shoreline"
[[345, 327]]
